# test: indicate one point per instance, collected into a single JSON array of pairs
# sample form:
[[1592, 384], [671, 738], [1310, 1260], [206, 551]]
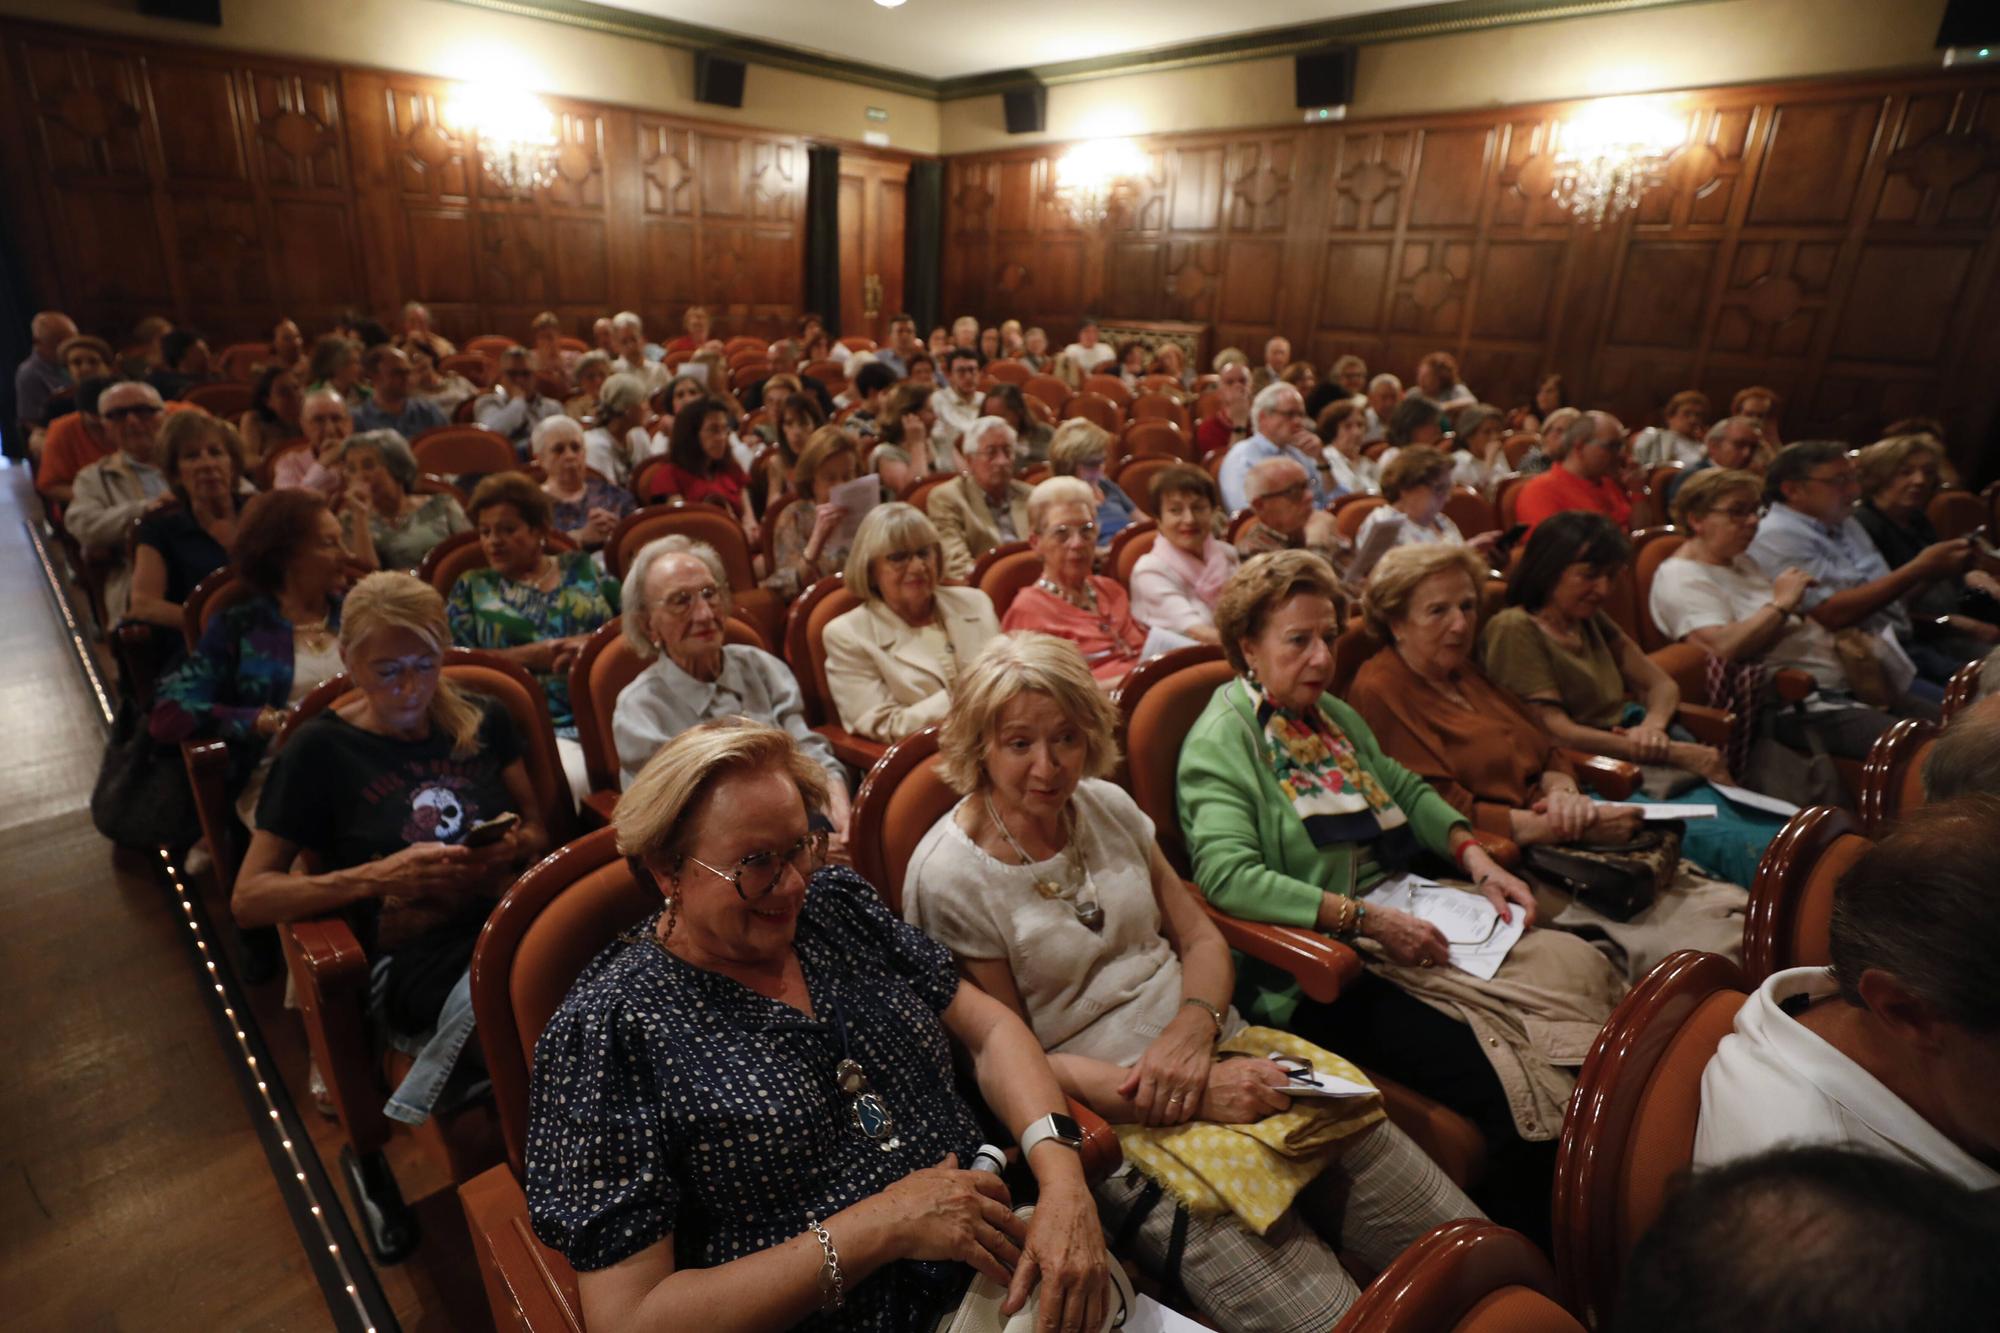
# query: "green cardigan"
[[1251, 853]]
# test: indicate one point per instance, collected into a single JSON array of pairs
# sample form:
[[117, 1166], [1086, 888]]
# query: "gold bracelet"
[[1214, 1014]]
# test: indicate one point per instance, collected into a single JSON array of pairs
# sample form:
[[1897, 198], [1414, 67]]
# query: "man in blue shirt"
[[1279, 415], [390, 406], [41, 377], [902, 346]]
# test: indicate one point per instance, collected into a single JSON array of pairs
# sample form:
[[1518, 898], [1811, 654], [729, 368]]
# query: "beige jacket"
[[965, 522], [885, 682]]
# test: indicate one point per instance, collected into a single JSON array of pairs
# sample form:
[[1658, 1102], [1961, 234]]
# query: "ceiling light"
[[890, 4]]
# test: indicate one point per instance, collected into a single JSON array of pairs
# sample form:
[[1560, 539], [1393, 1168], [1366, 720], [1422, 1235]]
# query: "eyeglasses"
[[758, 873], [1293, 412], [1738, 512], [1839, 480], [1296, 491], [679, 602], [1062, 532], [136, 410], [901, 558], [520, 374]]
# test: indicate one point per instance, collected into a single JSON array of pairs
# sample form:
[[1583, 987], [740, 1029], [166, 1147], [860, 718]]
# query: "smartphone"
[[1511, 537], [489, 831]]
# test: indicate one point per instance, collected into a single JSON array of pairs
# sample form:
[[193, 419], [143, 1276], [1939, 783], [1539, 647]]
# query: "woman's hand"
[[826, 519], [597, 529], [1498, 886], [1649, 743], [425, 870], [1245, 1090], [1405, 938], [1569, 813], [1485, 541], [1065, 1256], [1615, 824], [1789, 589], [564, 652], [1168, 1082], [945, 1213], [1703, 759]]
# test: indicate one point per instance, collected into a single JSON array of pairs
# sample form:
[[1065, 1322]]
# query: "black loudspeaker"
[[1027, 109], [718, 80], [1970, 23], [190, 11], [1325, 78]]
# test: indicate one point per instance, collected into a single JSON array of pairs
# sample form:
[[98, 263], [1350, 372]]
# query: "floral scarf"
[[1336, 797]]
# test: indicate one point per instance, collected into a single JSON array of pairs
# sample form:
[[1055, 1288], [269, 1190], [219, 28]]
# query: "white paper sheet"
[[1479, 940], [1666, 809], [1757, 800], [1162, 641], [1149, 1316], [857, 497], [1322, 1085]]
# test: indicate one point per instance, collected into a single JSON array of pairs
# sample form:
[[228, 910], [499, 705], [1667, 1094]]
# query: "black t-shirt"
[[190, 553]]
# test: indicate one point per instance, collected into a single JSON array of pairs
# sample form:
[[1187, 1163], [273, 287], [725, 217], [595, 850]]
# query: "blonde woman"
[[382, 793], [1127, 985]]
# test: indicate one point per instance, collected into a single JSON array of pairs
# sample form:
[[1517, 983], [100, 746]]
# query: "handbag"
[[142, 799], [1620, 880], [979, 1310]]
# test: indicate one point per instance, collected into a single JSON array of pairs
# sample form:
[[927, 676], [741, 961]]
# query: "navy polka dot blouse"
[[669, 1100]]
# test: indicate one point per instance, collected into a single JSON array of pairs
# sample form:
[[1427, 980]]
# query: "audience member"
[[1230, 422], [1731, 445], [41, 377], [1343, 424], [109, 495], [381, 478], [923, 370], [1281, 497], [1965, 760], [178, 545], [583, 506], [806, 543], [326, 421], [75, 441], [1171, 360], [872, 383], [1680, 440], [635, 355], [592, 369], [906, 422], [336, 365], [515, 402], [1760, 405], [1130, 364], [184, 363], [1035, 353], [1479, 447], [1012, 341], [1175, 584], [957, 405], [1007, 402], [1547, 449], [417, 324], [1952, 620], [1087, 353], [443, 389], [1078, 449], [700, 469], [548, 356], [1385, 394], [83, 357], [277, 400], [390, 405], [696, 326], [902, 346], [1277, 357], [1585, 478], [1416, 483], [1350, 374], [892, 662], [619, 442], [1280, 416], [984, 506], [1068, 600], [1438, 382]]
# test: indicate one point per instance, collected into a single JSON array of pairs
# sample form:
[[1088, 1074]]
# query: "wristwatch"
[[1055, 1126]]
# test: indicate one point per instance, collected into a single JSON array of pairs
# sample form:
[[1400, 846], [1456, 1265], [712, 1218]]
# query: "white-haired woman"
[[619, 442], [891, 661], [584, 505], [676, 609], [1078, 449], [745, 1111], [1069, 601], [381, 474], [1046, 882], [382, 792]]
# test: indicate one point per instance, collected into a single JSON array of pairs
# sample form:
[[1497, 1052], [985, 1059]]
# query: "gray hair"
[[981, 427], [620, 394], [1965, 761], [1273, 474], [627, 319], [548, 428], [593, 359], [1385, 379], [1077, 442], [143, 389], [1268, 396], [1584, 429], [632, 623], [889, 527], [327, 392], [1058, 491], [889, 453], [392, 449]]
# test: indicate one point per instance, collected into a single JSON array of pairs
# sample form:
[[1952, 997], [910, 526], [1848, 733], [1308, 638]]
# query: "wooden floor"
[[135, 1193]]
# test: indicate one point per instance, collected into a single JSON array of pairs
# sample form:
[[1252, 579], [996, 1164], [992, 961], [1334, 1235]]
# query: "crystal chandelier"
[[514, 132], [1611, 153], [1089, 176]]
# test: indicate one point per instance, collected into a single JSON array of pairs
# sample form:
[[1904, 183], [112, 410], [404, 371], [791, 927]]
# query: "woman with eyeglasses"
[[1416, 483], [891, 661], [1068, 600], [745, 1111]]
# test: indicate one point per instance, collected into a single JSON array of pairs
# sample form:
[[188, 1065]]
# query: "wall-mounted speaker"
[[718, 80], [1969, 23], [1027, 109], [1325, 78], [188, 11]]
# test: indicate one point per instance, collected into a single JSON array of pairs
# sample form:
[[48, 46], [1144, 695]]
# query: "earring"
[[673, 911], [1250, 675]]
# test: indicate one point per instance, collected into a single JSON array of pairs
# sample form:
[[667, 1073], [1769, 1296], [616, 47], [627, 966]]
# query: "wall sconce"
[[515, 133], [1089, 176], [1610, 152]]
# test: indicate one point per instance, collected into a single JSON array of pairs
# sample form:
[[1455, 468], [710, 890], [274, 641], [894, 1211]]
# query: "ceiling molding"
[[1436, 20]]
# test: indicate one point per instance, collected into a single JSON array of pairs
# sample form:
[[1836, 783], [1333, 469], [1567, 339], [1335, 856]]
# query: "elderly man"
[[42, 377], [958, 404], [515, 402], [389, 406], [417, 324], [785, 358], [1087, 353], [1733, 442], [903, 344], [1587, 476], [635, 356], [1350, 373], [984, 506], [1680, 439], [327, 423], [604, 336], [1895, 1049], [75, 440], [1277, 355], [1279, 414], [1385, 394], [1281, 496], [676, 601], [113, 492]]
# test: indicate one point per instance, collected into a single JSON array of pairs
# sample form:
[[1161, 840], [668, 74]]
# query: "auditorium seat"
[[1955, 513], [1109, 386], [1135, 476], [1351, 511], [1892, 777], [1095, 407], [1157, 439], [461, 451], [1471, 512], [472, 365], [1506, 495], [1467, 1276], [703, 523], [227, 399], [1132, 542], [461, 551], [805, 651], [1047, 388], [239, 361], [1157, 406], [1791, 899], [1629, 1131], [490, 345], [1003, 571], [1009, 372], [1963, 691], [1651, 549], [919, 488]]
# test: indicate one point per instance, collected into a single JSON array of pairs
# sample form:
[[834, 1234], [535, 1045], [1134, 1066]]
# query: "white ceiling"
[[943, 39]]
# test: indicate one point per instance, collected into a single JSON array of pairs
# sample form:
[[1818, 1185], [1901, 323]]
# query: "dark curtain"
[[17, 309], [823, 235], [923, 244]]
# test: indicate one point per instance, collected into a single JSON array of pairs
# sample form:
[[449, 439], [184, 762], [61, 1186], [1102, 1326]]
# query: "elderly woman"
[[535, 607], [806, 543], [1175, 584], [1007, 402], [548, 355], [767, 968], [336, 365], [381, 475], [1343, 424], [676, 609], [381, 794], [619, 442], [1230, 421], [891, 662], [700, 469], [1069, 601], [1127, 985], [1416, 483], [1078, 449], [1479, 447], [1438, 715], [584, 506], [179, 545], [592, 369], [1593, 689], [1171, 360], [1035, 353], [446, 390], [907, 421], [1899, 477], [273, 420], [1712, 594], [1294, 815]]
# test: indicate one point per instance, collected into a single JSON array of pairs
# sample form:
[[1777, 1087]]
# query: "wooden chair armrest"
[[1322, 964], [529, 1286], [1613, 779], [852, 750], [207, 764], [597, 808], [1101, 1153], [330, 979], [1505, 852], [1710, 726], [1792, 684]]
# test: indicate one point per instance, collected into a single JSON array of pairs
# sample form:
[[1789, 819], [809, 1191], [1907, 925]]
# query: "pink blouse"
[[1110, 640]]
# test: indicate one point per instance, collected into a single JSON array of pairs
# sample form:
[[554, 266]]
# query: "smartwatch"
[[1055, 1126]]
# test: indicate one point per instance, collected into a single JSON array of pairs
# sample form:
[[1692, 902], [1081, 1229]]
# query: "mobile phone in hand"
[[1511, 537], [489, 831]]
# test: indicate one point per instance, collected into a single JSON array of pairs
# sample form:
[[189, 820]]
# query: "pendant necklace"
[[866, 1110], [1081, 893]]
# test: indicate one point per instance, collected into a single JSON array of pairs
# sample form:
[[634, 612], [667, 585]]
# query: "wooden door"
[[872, 196]]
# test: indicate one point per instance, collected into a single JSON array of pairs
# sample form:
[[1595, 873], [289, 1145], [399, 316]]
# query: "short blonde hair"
[[1009, 666], [1877, 465], [825, 444], [1398, 574], [1076, 443], [632, 599], [657, 815], [895, 526], [1706, 489], [391, 599], [1258, 586], [1058, 491]]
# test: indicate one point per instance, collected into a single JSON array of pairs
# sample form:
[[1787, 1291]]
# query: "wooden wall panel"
[[1838, 241]]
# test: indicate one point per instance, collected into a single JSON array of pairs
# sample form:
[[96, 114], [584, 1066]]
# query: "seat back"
[[900, 799], [703, 523], [1963, 691], [599, 675], [1157, 706], [1955, 513], [444, 563], [830, 373], [1097, 408], [1791, 899], [1009, 372], [239, 360], [1240, 524], [1003, 571], [490, 344], [805, 642], [1463, 1276], [1892, 779], [461, 450], [1152, 406], [1650, 550], [1135, 477], [1506, 495], [228, 399], [918, 491], [1630, 1127], [1157, 439], [1350, 511], [220, 589], [473, 365], [1471, 511], [1355, 646], [1047, 388], [1132, 541], [1109, 386]]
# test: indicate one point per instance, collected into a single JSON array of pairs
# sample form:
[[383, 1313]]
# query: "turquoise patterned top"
[[487, 610]]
